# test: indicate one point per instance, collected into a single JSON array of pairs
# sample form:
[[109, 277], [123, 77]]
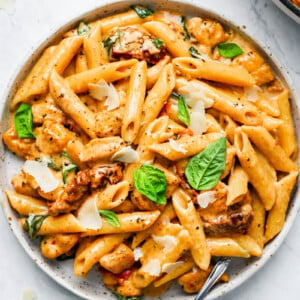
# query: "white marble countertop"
[[32, 20]]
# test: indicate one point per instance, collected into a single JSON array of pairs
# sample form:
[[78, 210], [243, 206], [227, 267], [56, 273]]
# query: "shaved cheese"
[[42, 175], [193, 93], [197, 118], [176, 18], [126, 155], [169, 267], [168, 242], [251, 92], [176, 146], [104, 91], [138, 253], [88, 215], [204, 199], [152, 267], [195, 269]]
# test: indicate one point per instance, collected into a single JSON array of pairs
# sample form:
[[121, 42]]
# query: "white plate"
[[62, 272], [289, 9]]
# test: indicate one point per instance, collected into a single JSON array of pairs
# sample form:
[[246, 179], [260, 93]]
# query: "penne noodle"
[[262, 181], [92, 252], [174, 43], [191, 145], [134, 104], [26, 205], [256, 228], [69, 102], [237, 186], [129, 222], [79, 83], [248, 243], [81, 64], [223, 246], [154, 72], [286, 131], [213, 70], [100, 148], [268, 146], [277, 214], [95, 53], [191, 221], [157, 96]]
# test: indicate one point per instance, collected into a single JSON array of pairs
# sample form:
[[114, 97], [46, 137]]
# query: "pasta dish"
[[152, 143]]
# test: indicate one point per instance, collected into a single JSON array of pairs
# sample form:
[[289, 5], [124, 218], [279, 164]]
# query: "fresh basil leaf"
[[121, 297], [109, 42], [66, 170], [194, 52], [53, 166], [110, 217], [142, 11], [151, 182], [229, 50], [183, 112], [83, 28], [33, 224], [186, 33], [23, 122], [64, 154], [204, 170], [158, 43]]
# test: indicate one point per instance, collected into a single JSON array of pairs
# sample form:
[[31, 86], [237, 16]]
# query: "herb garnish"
[[142, 11], [186, 33], [33, 224], [23, 122], [204, 170], [151, 182], [83, 28], [110, 217], [229, 50]]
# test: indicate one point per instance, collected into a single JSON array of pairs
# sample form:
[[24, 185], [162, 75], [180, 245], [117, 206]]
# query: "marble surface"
[[26, 22]]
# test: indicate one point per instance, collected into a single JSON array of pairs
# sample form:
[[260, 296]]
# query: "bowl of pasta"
[[143, 142]]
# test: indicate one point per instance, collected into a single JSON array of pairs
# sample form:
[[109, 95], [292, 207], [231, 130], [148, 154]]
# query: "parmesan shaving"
[[176, 146], [126, 155], [42, 175], [168, 242], [152, 267], [204, 199], [104, 91], [251, 92], [197, 118], [170, 267], [193, 93], [172, 17], [138, 253], [88, 215]]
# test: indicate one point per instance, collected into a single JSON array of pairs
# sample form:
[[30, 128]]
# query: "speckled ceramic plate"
[[92, 287], [289, 9]]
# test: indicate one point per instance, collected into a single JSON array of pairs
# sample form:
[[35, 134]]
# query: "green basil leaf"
[[83, 28], [142, 11], [186, 33], [158, 43], [53, 166], [64, 154], [109, 42], [194, 52], [229, 50], [183, 112], [204, 170], [23, 122], [66, 170], [151, 182], [121, 297], [110, 217], [33, 224]]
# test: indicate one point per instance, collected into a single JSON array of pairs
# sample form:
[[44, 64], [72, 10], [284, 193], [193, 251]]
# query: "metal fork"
[[218, 270]]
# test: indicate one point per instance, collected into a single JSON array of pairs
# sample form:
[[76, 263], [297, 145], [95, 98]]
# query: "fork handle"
[[218, 270]]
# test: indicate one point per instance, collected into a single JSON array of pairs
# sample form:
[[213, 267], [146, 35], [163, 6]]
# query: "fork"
[[218, 270]]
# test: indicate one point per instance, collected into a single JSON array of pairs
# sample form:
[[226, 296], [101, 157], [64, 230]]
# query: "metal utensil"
[[218, 270]]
